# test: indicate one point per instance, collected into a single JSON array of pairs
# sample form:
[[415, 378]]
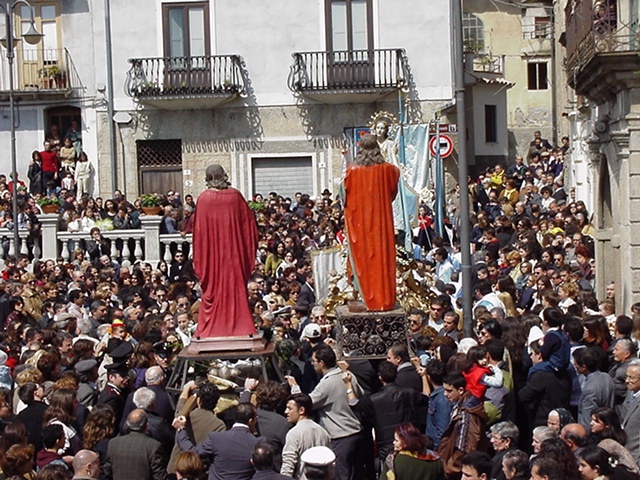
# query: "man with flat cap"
[[225, 239], [115, 393], [87, 394]]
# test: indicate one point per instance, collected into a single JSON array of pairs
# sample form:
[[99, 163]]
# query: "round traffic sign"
[[446, 146]]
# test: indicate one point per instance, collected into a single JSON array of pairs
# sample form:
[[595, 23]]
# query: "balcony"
[[602, 55], [537, 37], [40, 74], [355, 76], [186, 82]]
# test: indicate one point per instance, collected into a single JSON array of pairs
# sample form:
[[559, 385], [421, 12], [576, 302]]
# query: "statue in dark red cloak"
[[225, 238]]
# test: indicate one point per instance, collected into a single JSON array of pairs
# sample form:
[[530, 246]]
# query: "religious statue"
[[405, 204], [370, 185], [225, 239]]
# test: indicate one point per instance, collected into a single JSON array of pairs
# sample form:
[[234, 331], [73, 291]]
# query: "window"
[[542, 27], [160, 165], [537, 75], [472, 33], [490, 124], [349, 25], [39, 65], [536, 27], [186, 29]]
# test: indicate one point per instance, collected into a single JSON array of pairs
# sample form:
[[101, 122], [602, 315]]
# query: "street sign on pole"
[[445, 146], [443, 128]]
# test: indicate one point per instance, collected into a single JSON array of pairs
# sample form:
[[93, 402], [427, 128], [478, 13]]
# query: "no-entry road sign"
[[445, 146]]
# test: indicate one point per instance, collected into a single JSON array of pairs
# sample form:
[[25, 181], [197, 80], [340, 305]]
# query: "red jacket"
[[49, 161]]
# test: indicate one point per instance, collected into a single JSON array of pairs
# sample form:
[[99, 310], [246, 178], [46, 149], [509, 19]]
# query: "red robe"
[[369, 219], [225, 238]]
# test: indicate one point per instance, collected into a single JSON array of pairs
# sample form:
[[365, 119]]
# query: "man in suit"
[[134, 455], [390, 407], [631, 410], [154, 379], [262, 460], [197, 404], [307, 292], [229, 451], [408, 376]]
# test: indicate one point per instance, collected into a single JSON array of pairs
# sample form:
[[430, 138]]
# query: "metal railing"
[[538, 30], [592, 30], [488, 63], [41, 69], [157, 77], [352, 69]]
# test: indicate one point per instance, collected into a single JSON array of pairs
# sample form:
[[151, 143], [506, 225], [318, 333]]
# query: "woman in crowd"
[[515, 465], [189, 466], [62, 411], [504, 439], [411, 459], [597, 464], [274, 259], [558, 418], [555, 448], [607, 434]]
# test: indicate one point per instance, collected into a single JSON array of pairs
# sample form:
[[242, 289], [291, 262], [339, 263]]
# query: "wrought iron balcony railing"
[[47, 70], [349, 70], [175, 76], [603, 33], [538, 30]]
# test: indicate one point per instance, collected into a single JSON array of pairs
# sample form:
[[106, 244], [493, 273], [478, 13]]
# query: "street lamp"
[[32, 37]]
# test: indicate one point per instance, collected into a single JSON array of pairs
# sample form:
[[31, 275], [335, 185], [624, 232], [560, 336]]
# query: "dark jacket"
[[543, 392]]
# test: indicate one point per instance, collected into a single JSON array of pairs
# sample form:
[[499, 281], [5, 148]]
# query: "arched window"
[[472, 33]]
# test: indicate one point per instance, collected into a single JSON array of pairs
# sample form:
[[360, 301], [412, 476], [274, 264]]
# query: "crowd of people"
[[546, 387]]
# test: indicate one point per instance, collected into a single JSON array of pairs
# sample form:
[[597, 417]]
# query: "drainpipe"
[[112, 127], [465, 229], [554, 78]]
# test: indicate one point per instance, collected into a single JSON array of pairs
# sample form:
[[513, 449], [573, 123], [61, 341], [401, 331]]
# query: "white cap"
[[318, 456], [465, 344], [312, 331]]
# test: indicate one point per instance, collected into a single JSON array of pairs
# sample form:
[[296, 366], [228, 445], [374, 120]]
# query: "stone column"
[[151, 227], [49, 227]]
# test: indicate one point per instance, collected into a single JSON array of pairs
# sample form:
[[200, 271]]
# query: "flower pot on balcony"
[[151, 210], [50, 208]]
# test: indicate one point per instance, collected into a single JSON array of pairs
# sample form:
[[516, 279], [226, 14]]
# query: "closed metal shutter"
[[286, 176]]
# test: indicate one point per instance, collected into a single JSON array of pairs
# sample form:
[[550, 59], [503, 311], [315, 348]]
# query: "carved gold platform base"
[[367, 334]]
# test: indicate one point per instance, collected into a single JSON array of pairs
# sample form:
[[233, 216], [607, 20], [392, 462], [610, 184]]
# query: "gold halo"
[[386, 117]]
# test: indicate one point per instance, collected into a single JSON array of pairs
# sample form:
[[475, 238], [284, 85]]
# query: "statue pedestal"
[[188, 362], [226, 344], [364, 334]]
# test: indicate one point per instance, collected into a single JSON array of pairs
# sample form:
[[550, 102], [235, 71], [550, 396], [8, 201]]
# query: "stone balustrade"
[[127, 246]]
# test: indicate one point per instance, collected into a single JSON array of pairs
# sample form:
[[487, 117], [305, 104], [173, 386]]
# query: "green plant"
[[150, 200], [52, 71], [49, 201]]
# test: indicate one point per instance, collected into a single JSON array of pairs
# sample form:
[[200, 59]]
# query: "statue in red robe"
[[370, 186], [225, 238]]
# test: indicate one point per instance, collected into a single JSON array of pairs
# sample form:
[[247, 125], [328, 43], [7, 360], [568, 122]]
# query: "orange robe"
[[225, 238], [369, 193]]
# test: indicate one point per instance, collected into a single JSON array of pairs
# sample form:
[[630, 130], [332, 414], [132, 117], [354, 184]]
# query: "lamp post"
[[32, 37]]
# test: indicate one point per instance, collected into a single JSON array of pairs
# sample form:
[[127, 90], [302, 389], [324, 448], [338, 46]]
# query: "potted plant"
[[150, 203], [49, 204]]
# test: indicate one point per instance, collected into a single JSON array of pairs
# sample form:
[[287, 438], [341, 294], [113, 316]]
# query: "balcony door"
[[349, 25], [41, 66], [187, 67]]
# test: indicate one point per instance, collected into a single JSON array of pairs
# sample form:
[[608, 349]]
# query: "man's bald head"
[[137, 420], [154, 375], [86, 464], [574, 435]]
